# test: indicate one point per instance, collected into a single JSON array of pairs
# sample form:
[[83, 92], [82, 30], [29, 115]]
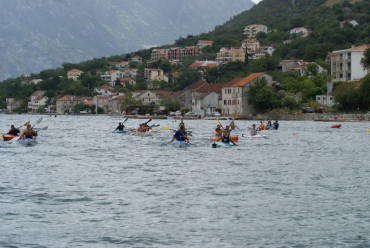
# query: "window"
[[229, 102], [318, 98], [225, 102], [349, 55]]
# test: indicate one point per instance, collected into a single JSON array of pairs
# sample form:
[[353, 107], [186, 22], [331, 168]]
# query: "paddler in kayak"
[[143, 128], [180, 135], [218, 132], [181, 124], [120, 127], [261, 127], [276, 125], [253, 130], [233, 126], [226, 136], [28, 133], [13, 130]]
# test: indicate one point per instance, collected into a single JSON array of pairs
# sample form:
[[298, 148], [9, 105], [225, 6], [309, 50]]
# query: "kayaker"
[[218, 131], [233, 126], [120, 127], [181, 135], [253, 130], [276, 125], [261, 127], [143, 128], [269, 126], [226, 136], [181, 124], [28, 133], [13, 130]]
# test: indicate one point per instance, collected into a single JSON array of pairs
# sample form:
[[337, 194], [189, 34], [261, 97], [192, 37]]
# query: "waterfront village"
[[201, 98]]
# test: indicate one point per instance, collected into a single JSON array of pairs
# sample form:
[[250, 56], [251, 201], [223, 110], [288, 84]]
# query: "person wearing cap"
[[28, 133], [13, 130], [253, 130]]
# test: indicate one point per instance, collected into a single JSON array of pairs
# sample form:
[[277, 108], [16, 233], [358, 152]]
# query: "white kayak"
[[257, 136], [180, 144], [27, 142]]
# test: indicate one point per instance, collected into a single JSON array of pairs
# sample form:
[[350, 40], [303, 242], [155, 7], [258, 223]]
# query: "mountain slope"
[[40, 34]]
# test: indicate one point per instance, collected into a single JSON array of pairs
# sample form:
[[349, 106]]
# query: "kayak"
[[120, 131], [213, 138], [257, 136], [180, 144], [234, 138], [27, 142], [7, 137], [221, 144], [336, 126]]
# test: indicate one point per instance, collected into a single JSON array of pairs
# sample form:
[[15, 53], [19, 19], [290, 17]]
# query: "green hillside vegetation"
[[326, 35]]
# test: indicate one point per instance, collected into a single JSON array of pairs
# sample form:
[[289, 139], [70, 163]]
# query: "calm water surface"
[[83, 186]]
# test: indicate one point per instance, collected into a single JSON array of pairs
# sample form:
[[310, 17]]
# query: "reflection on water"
[[85, 186]]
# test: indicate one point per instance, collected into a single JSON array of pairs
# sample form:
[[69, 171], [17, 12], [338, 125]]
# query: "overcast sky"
[[256, 1]]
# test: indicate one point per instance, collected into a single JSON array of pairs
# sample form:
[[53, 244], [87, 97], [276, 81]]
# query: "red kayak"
[[336, 126], [7, 137]]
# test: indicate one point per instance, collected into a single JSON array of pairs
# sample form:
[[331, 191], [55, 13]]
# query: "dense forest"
[[318, 16]]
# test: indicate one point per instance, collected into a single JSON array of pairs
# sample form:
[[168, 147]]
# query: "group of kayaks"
[[25, 142]]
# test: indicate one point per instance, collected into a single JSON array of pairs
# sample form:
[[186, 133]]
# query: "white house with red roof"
[[106, 90], [226, 55], [299, 31], [132, 73], [253, 29], [35, 81], [37, 102], [66, 103], [74, 74], [112, 76], [203, 43], [353, 23], [122, 64], [251, 45], [235, 94], [203, 66], [346, 65], [136, 58], [151, 73], [13, 105], [126, 81]]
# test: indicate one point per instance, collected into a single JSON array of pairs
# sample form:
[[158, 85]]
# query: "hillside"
[[42, 34]]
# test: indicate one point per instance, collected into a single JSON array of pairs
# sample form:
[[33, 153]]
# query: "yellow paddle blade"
[[368, 130], [165, 128], [218, 120], [1, 136], [25, 124], [236, 115]]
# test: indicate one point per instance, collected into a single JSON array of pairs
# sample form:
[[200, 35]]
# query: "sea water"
[[305, 185]]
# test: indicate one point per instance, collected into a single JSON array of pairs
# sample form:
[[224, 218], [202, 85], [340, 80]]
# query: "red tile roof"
[[90, 102], [240, 82], [65, 98], [206, 41], [39, 98], [38, 93]]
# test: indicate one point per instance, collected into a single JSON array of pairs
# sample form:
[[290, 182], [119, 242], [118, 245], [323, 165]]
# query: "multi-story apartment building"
[[254, 29], [346, 64], [177, 53], [151, 73], [74, 74], [159, 54], [235, 94], [233, 54]]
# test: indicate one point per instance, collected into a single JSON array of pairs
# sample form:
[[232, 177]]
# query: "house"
[[106, 90], [122, 65], [254, 29], [203, 43], [112, 76], [132, 73], [233, 54], [158, 54], [263, 52], [251, 45], [203, 66], [346, 65], [66, 103], [325, 99], [105, 102], [35, 81], [353, 23], [151, 73], [298, 65], [148, 97], [74, 74], [136, 58], [13, 105], [37, 99], [8, 100], [126, 81], [299, 31], [178, 53], [161, 78], [36, 103], [235, 94], [207, 99]]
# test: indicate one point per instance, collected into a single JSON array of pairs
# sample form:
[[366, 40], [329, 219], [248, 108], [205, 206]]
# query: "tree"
[[263, 97], [129, 100], [365, 93], [347, 95], [365, 61], [246, 59], [171, 104]]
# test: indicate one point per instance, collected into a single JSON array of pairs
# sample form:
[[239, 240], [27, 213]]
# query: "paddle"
[[25, 124], [165, 128], [150, 127], [125, 120], [37, 122], [219, 122]]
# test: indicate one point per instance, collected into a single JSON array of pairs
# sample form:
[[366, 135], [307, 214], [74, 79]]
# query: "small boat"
[[336, 126], [221, 144], [27, 142], [120, 131], [180, 144], [7, 137], [257, 136]]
